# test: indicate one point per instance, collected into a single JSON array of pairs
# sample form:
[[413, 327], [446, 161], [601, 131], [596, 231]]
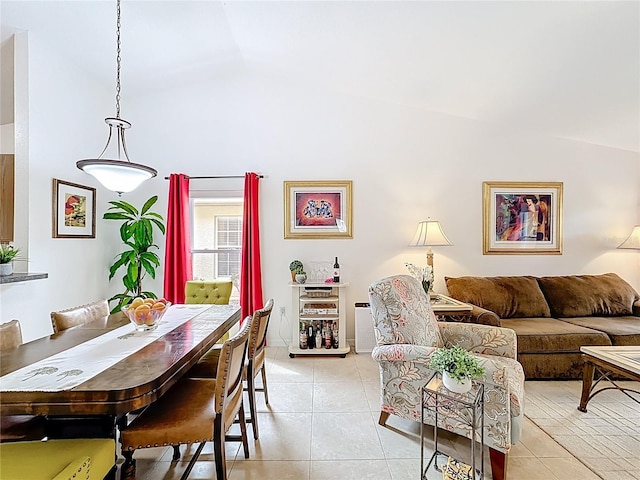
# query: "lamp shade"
[[429, 234], [633, 241], [117, 175]]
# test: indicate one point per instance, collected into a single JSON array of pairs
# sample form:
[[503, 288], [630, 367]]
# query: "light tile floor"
[[322, 424]]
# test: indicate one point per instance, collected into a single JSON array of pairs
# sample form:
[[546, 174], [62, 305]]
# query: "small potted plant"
[[301, 276], [7, 254], [457, 366], [295, 267]]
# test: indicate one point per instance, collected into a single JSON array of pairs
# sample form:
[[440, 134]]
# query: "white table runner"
[[70, 368]]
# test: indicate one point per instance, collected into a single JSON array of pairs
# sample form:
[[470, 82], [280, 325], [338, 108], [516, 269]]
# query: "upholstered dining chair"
[[195, 410], [72, 317], [253, 366], [214, 292], [17, 427], [407, 333], [217, 292]]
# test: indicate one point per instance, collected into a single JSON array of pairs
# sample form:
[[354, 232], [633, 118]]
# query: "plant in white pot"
[[8, 254], [457, 366]]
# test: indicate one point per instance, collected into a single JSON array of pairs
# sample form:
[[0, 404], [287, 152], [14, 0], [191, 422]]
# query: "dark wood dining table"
[[132, 383]]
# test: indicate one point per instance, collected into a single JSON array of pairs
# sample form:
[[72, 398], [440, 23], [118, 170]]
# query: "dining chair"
[[195, 410], [214, 292], [72, 317], [407, 334], [17, 427], [254, 364], [63, 459]]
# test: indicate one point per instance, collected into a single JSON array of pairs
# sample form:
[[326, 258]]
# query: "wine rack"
[[321, 307]]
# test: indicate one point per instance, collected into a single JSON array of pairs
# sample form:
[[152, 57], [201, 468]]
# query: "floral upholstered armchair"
[[407, 333]]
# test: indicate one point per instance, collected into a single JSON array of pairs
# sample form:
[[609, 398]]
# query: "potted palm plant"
[[457, 366], [8, 253], [138, 259]]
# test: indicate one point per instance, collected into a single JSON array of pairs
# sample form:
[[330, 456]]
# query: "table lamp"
[[429, 234], [633, 241]]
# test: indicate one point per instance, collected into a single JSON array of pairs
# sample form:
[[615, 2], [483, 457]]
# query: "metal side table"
[[445, 406]]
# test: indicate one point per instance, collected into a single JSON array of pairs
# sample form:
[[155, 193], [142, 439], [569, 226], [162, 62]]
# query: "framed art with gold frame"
[[74, 210], [522, 218], [318, 209]]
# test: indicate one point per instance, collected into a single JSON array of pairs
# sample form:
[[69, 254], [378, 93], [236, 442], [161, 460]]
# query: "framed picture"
[[74, 210], [318, 209], [522, 218]]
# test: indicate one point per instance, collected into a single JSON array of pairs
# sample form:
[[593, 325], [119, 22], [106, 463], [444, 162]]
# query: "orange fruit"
[[161, 300], [149, 301], [136, 302], [142, 313], [158, 306]]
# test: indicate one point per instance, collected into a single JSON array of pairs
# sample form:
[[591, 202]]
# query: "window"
[[216, 239]]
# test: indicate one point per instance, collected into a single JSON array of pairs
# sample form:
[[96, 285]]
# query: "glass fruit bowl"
[[146, 314]]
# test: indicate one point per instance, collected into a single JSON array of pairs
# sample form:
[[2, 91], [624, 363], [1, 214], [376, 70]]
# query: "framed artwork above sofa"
[[522, 218]]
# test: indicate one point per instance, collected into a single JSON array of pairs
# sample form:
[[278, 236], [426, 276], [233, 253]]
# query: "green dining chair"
[[214, 292]]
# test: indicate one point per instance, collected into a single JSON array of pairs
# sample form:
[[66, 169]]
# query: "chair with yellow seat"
[[195, 410], [214, 292], [72, 317], [73, 459], [254, 364], [14, 428]]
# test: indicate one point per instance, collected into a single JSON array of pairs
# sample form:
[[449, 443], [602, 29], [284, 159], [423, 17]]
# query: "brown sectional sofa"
[[554, 316]]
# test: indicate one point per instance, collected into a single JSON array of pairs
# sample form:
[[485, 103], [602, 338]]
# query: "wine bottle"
[[311, 339], [336, 271], [303, 337]]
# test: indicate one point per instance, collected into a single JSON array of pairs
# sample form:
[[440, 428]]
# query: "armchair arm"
[[483, 339], [484, 316], [402, 352]]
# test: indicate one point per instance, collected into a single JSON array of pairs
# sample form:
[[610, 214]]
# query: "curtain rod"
[[215, 176]]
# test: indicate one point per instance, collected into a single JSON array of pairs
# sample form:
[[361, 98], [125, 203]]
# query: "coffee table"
[[608, 361]]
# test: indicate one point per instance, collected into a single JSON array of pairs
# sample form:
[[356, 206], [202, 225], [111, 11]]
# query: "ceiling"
[[566, 69]]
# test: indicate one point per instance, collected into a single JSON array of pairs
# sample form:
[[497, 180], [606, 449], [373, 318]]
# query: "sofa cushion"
[[586, 295], [507, 297], [624, 330], [549, 335]]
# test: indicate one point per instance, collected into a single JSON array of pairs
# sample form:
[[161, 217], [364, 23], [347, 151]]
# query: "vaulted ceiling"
[[566, 69]]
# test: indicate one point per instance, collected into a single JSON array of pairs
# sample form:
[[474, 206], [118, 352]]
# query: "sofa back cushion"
[[507, 297], [587, 295]]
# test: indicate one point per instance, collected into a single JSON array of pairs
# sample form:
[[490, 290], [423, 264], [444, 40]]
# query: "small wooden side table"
[[448, 309]]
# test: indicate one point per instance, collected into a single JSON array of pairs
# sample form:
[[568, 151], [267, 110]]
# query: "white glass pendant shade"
[[112, 168], [633, 241], [118, 175]]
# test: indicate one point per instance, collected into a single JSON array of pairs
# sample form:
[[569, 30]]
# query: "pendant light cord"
[[118, 59]]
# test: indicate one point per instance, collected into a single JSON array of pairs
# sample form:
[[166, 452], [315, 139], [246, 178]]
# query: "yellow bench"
[[77, 459]]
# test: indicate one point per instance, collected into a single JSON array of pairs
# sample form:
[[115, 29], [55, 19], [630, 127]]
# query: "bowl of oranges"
[[145, 313]]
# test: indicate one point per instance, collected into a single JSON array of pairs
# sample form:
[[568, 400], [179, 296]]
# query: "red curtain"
[[177, 258], [250, 272]]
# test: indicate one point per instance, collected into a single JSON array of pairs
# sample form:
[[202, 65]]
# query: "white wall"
[[58, 120], [405, 164]]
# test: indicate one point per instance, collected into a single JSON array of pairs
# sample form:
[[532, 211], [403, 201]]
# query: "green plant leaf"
[[127, 207], [115, 216], [149, 203]]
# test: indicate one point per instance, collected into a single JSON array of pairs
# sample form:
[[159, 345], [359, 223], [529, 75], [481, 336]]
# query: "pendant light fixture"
[[120, 174]]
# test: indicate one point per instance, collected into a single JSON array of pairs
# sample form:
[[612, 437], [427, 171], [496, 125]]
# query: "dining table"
[[105, 369]]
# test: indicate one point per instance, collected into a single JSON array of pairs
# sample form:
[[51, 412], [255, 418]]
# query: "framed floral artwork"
[[74, 210], [318, 209], [522, 218]]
